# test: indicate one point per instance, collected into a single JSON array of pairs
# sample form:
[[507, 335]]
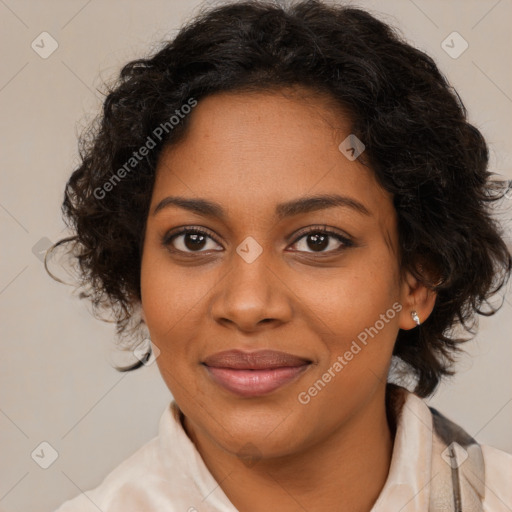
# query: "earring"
[[415, 317]]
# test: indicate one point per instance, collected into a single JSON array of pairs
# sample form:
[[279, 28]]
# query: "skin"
[[249, 152]]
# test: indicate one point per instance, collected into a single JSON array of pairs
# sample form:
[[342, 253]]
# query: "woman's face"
[[332, 302]]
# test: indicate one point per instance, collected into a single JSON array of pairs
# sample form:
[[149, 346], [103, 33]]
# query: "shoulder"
[[491, 477], [488, 470], [132, 474], [165, 473], [498, 479]]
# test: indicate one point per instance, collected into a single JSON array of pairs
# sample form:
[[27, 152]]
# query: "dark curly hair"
[[418, 143]]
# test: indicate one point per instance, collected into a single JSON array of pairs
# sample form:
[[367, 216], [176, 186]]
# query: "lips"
[[251, 374], [261, 360]]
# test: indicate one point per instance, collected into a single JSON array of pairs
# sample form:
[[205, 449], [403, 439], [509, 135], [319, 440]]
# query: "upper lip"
[[258, 360]]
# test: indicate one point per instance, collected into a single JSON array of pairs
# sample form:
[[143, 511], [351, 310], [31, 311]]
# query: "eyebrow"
[[283, 210]]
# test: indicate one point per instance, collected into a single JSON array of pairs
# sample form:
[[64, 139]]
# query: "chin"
[[267, 425]]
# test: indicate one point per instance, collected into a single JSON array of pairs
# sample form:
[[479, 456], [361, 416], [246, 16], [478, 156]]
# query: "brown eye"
[[190, 240], [317, 241], [321, 241]]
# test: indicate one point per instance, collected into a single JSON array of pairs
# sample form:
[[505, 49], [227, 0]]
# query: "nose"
[[252, 295]]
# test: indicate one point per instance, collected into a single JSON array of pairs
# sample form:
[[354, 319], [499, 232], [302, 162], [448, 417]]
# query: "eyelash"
[[324, 230]]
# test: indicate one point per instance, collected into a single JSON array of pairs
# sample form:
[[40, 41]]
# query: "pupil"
[[194, 241], [319, 241]]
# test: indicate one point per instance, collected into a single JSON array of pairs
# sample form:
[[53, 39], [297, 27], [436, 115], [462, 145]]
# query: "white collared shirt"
[[168, 473]]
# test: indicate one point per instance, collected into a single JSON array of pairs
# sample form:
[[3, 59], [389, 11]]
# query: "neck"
[[346, 471]]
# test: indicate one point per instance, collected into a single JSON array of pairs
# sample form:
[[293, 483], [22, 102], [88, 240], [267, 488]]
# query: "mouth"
[[251, 374]]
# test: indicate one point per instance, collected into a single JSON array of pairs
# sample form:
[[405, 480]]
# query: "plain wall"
[[56, 380]]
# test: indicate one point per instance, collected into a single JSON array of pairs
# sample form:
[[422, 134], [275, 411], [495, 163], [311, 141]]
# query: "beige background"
[[56, 380]]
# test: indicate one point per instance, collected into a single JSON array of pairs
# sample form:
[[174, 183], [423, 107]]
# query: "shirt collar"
[[407, 485], [179, 455]]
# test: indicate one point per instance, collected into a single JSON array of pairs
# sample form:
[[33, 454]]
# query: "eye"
[[194, 240], [322, 240], [189, 240]]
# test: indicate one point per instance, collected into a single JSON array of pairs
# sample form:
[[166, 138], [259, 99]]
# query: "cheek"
[[167, 295], [156, 294], [163, 308], [360, 325], [173, 302], [351, 298], [357, 313], [168, 302]]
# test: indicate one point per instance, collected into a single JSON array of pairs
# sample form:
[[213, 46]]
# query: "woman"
[[288, 200]]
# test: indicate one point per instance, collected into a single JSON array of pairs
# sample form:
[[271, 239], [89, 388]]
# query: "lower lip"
[[254, 382]]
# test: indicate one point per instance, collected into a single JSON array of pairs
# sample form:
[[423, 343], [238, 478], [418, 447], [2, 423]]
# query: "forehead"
[[258, 149]]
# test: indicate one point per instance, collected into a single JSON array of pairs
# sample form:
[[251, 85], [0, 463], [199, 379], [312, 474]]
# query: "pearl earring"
[[415, 317]]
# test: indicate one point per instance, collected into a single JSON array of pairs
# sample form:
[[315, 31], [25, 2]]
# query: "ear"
[[415, 296]]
